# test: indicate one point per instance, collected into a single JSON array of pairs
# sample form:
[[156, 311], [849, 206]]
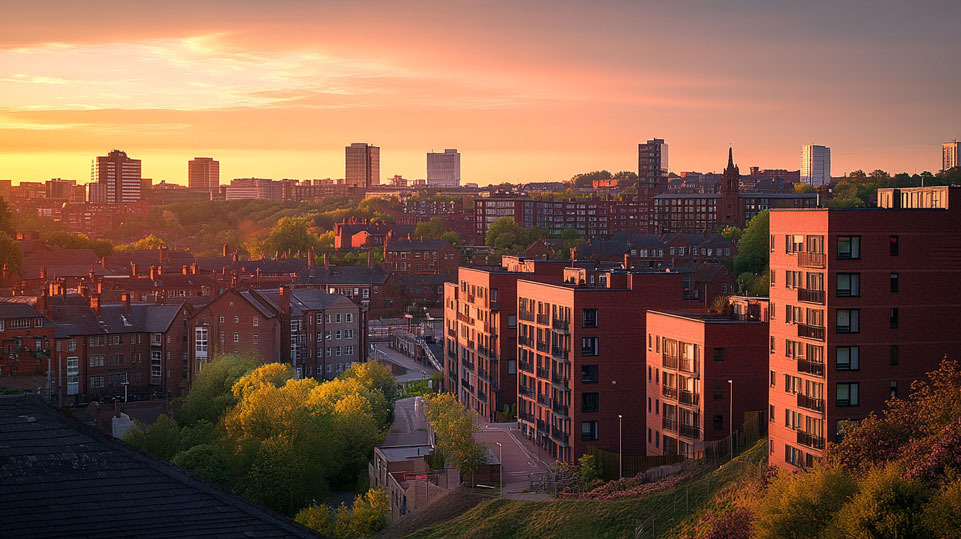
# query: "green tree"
[[505, 234], [206, 461], [454, 431], [432, 229], [10, 253], [162, 437], [587, 179], [149, 243], [804, 188], [369, 515], [732, 234], [8, 219], [887, 505], [753, 251], [290, 234], [319, 518], [211, 394], [803, 506], [588, 468]]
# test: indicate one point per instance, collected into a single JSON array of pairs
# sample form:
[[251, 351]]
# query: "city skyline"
[[532, 105]]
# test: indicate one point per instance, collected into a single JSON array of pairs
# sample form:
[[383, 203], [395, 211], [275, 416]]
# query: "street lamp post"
[[730, 421], [620, 448], [500, 459]]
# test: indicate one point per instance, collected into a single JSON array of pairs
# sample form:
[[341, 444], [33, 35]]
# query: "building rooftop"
[[61, 478], [706, 317]]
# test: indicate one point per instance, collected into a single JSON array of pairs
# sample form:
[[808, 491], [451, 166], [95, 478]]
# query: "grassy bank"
[[674, 512]]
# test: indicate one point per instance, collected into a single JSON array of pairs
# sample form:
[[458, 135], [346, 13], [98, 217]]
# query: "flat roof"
[[709, 318]]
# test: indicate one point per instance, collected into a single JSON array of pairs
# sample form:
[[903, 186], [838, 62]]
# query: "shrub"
[[803, 505], [733, 525], [888, 505], [943, 515]]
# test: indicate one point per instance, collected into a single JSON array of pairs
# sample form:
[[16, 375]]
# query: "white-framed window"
[[95, 361], [256, 321], [200, 342], [236, 337], [337, 334], [96, 381], [348, 350], [337, 350], [349, 317], [256, 338], [221, 319], [348, 334], [236, 319], [73, 375], [337, 318]]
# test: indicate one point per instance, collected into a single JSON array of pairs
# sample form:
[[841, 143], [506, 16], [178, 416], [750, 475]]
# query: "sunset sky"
[[526, 90]]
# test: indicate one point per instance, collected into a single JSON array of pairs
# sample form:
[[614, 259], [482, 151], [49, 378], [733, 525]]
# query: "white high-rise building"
[[443, 169], [815, 165], [949, 154], [118, 177]]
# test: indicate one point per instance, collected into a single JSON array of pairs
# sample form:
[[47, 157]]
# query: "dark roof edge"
[[169, 469]]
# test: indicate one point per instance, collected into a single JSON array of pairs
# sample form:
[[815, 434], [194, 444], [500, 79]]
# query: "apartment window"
[[718, 354], [96, 381], [589, 374], [848, 321], [718, 422], [773, 345], [256, 321], [256, 338], [849, 285], [849, 247], [894, 317], [894, 354], [773, 379], [72, 345], [894, 282], [95, 361], [771, 413], [847, 394], [349, 317], [589, 346], [847, 358], [589, 318], [337, 318], [588, 430], [589, 402], [349, 351], [221, 319], [893, 245], [236, 319], [236, 337], [894, 388], [718, 390]]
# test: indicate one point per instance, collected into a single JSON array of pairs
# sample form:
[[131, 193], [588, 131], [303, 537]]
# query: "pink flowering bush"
[[733, 525], [629, 487]]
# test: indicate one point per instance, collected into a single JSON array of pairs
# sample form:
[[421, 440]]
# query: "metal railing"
[[810, 296], [669, 392], [669, 361], [669, 424], [810, 440], [811, 260], [560, 409], [810, 332], [690, 431], [543, 319], [810, 367], [688, 397], [562, 326], [803, 401]]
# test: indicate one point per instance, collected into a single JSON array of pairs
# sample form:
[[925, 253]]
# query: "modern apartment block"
[[203, 173], [815, 165], [863, 302], [116, 178], [652, 173], [480, 340], [696, 364], [949, 154], [443, 169], [362, 168], [580, 359]]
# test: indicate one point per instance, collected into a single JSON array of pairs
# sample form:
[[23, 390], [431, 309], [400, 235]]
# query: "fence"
[[753, 428], [609, 462]]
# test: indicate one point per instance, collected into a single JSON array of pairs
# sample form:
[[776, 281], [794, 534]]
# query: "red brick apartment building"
[[421, 257], [580, 358], [480, 342], [863, 302], [690, 358]]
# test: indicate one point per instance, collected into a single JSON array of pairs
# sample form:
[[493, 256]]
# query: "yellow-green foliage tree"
[[454, 432], [366, 518]]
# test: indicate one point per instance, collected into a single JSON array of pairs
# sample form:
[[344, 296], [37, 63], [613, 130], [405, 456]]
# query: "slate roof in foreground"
[[59, 478]]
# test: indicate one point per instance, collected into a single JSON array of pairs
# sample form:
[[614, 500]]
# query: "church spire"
[[730, 157]]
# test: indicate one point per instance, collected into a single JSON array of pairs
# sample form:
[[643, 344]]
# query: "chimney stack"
[[164, 254], [285, 299], [236, 256], [326, 263], [185, 270], [153, 273], [43, 273], [310, 260], [194, 268], [125, 299], [225, 250], [133, 269], [370, 258], [95, 303]]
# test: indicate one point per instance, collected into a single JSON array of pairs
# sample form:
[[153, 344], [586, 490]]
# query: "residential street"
[[520, 462]]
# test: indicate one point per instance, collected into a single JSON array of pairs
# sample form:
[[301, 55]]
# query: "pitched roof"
[[415, 245], [342, 275], [62, 478], [282, 265], [17, 309]]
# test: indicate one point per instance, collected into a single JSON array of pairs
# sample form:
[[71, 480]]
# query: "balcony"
[[525, 366], [465, 319], [686, 365], [471, 298], [560, 409], [467, 364], [560, 382], [524, 415], [669, 392], [803, 401], [810, 332], [543, 399], [558, 436], [542, 373], [482, 373], [523, 340], [452, 333], [481, 394], [561, 326], [669, 424], [494, 305], [810, 296], [810, 367], [690, 431], [688, 397], [560, 353], [811, 260], [524, 390], [526, 316], [543, 347], [543, 319], [542, 427], [810, 440], [668, 361]]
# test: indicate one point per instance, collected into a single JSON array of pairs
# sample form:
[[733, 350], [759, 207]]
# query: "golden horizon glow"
[[528, 91]]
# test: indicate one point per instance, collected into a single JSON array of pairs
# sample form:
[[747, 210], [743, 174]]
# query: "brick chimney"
[[225, 250], [185, 270], [194, 268], [92, 274], [125, 299], [310, 260], [95, 303], [285, 300], [43, 273], [133, 269], [233, 281], [162, 297], [236, 256], [326, 262], [153, 273], [164, 254]]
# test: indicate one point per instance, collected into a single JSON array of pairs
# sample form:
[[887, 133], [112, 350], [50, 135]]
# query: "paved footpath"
[[520, 461], [415, 370]]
